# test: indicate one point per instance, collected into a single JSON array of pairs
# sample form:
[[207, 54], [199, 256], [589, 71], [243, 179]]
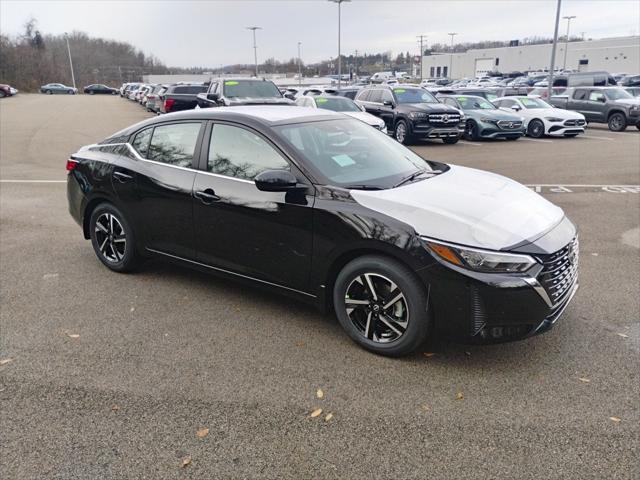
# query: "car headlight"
[[418, 115], [488, 119], [478, 260], [635, 107], [553, 119]]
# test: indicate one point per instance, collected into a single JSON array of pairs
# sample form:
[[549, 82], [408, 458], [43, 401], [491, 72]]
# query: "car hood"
[[552, 112], [259, 101], [468, 207], [366, 118], [628, 101], [428, 107]]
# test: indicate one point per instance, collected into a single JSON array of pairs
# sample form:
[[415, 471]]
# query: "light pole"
[[553, 51], [339, 2], [73, 77], [299, 66], [452, 34], [255, 47], [566, 43], [421, 37]]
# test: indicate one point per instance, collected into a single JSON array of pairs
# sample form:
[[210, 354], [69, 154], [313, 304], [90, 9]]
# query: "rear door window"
[[596, 96], [174, 144], [580, 94], [375, 96], [141, 142]]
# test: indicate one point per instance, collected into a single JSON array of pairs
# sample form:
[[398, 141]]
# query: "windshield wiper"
[[415, 175], [363, 187]]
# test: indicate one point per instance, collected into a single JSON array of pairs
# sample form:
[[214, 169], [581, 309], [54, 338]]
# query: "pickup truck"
[[611, 105], [241, 91], [180, 96]]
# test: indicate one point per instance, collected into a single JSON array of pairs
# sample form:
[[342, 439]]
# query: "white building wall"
[[621, 54]]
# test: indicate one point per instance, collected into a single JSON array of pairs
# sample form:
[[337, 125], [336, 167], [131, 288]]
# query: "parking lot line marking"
[[33, 181], [536, 140], [464, 142], [577, 185]]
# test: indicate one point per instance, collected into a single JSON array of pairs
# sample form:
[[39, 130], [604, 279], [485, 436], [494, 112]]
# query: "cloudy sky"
[[210, 33]]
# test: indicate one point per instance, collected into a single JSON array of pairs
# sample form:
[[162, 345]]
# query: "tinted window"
[[190, 89], [580, 94], [386, 96], [413, 95], [599, 80], [236, 152], [174, 144], [364, 95], [375, 96], [507, 103], [250, 89], [337, 104], [141, 142]]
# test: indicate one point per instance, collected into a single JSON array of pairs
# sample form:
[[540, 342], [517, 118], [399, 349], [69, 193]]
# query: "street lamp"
[[553, 51], [452, 34], [339, 2], [73, 77], [255, 48], [566, 43], [299, 66]]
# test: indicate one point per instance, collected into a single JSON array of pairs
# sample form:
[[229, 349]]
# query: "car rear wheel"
[[536, 128], [382, 305], [617, 122], [471, 130], [2, 94], [70, 92], [112, 238], [91, 92], [450, 140], [48, 92], [401, 133]]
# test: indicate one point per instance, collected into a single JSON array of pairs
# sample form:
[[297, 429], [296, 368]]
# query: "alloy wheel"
[[401, 132], [111, 238], [377, 308]]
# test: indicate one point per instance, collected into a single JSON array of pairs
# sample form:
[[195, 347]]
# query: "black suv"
[[242, 91], [412, 112]]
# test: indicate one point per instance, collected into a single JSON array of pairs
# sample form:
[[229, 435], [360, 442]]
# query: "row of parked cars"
[[7, 90], [410, 112]]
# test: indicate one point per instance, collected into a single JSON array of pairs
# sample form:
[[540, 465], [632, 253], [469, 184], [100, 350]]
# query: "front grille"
[[444, 119], [478, 311], [509, 125], [574, 123], [560, 271]]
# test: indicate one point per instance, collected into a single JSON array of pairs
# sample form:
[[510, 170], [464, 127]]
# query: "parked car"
[[153, 98], [241, 91], [630, 81], [139, 93], [484, 119], [541, 119], [5, 90], [324, 208], [126, 89], [543, 92], [486, 93], [634, 91], [181, 96], [98, 88], [412, 113], [133, 91], [611, 105], [349, 92], [52, 88], [590, 79], [343, 105]]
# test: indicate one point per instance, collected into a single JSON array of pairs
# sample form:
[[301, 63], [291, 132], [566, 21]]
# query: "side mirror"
[[602, 99], [362, 108], [214, 97], [276, 181], [388, 103], [290, 96], [515, 108]]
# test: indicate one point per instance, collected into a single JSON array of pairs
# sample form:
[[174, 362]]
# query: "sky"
[[211, 33]]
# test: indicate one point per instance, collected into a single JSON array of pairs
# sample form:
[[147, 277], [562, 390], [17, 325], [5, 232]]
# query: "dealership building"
[[619, 54]]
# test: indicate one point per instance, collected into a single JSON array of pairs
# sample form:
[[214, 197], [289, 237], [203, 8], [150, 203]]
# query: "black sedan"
[[100, 89], [323, 207]]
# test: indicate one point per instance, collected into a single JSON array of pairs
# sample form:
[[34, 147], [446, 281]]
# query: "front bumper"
[[494, 132], [424, 129]]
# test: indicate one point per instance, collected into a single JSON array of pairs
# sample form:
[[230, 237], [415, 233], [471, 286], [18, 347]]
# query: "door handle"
[[207, 196], [122, 177]]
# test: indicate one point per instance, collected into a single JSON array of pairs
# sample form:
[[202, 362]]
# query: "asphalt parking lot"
[[111, 376]]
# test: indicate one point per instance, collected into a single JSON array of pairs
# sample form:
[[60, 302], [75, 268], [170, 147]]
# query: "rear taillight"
[[71, 165], [168, 103]]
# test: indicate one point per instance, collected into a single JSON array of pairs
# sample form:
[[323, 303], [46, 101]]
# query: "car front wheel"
[[112, 238], [401, 132], [382, 305], [617, 122], [536, 128]]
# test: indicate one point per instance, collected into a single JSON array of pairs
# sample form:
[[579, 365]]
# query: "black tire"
[[471, 130], [535, 128], [91, 92], [108, 244], [617, 122], [571, 135], [48, 92], [70, 92], [451, 140], [511, 139], [366, 327], [401, 133], [2, 94], [638, 126]]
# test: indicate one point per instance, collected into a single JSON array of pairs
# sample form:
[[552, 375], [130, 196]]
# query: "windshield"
[[413, 95], [337, 104], [250, 89], [615, 94], [475, 103], [351, 154], [533, 103]]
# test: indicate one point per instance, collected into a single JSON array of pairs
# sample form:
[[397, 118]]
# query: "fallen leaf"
[[623, 335], [299, 344], [319, 393], [585, 380], [328, 417], [316, 413], [115, 407], [186, 461], [4, 361], [459, 396], [614, 419], [203, 432], [73, 335], [428, 354]]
